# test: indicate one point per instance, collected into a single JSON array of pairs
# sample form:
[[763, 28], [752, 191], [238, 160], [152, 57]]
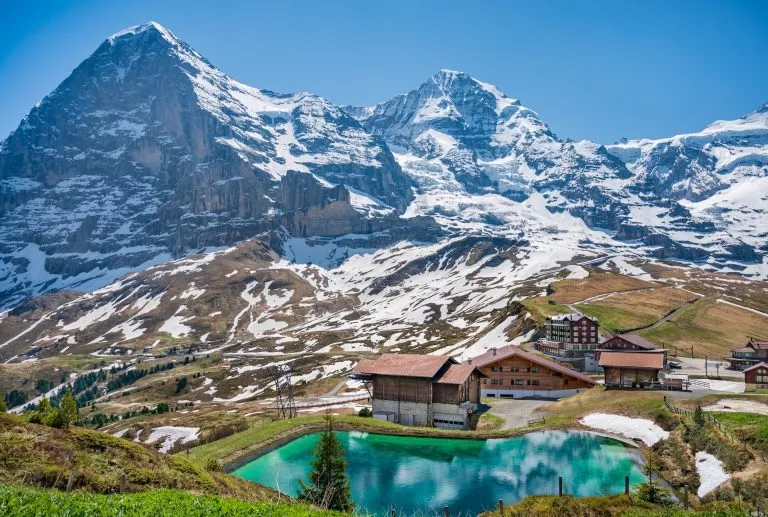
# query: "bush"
[[667, 420], [213, 465], [654, 494], [365, 412], [705, 438]]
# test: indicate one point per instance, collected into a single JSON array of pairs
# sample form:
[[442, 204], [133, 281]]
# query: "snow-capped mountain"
[[147, 152], [683, 198]]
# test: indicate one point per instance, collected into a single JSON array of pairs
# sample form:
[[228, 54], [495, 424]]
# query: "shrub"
[[213, 465], [365, 412]]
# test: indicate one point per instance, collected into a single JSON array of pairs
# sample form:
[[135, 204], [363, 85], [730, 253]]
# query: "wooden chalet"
[[631, 369], [756, 377], [749, 355], [510, 372], [421, 390], [628, 343]]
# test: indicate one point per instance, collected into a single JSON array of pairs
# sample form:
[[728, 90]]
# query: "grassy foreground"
[[609, 506], [37, 455], [28, 502]]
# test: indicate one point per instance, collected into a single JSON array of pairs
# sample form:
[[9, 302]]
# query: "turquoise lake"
[[467, 476]]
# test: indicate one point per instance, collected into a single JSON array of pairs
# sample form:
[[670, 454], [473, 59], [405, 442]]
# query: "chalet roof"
[[754, 345], [637, 341], [405, 365], [743, 349], [758, 365], [632, 360], [458, 374], [511, 351]]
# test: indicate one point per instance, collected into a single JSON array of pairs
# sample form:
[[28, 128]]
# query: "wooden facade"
[[632, 369], [749, 355], [756, 377], [404, 389], [520, 373], [628, 343], [421, 390], [511, 372], [629, 377], [409, 389]]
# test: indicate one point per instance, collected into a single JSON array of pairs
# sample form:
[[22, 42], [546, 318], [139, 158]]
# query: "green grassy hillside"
[[42, 456], [24, 501]]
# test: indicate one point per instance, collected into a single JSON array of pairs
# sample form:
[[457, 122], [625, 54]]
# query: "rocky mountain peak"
[[149, 29]]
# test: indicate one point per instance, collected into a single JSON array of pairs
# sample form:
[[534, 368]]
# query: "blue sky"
[[598, 69]]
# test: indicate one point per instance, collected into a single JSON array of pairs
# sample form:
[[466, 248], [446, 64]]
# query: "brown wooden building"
[[631, 369], [423, 390], [749, 355], [628, 343], [756, 377], [514, 373]]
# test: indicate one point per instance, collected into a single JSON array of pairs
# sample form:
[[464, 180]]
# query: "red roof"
[[758, 365], [637, 341], [404, 365], [458, 374], [511, 351], [632, 360]]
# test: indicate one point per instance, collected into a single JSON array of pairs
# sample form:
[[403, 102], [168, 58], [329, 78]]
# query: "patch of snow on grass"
[[175, 324], [633, 428], [711, 473], [172, 435]]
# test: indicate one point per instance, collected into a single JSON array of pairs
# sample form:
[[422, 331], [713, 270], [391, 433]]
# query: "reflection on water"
[[467, 476]]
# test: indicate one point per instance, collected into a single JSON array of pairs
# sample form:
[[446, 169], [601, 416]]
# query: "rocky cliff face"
[[148, 152]]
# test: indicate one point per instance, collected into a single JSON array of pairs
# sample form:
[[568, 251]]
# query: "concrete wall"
[[490, 391], [421, 414]]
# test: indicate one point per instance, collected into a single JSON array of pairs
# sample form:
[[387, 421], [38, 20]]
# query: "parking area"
[[696, 367], [516, 412]]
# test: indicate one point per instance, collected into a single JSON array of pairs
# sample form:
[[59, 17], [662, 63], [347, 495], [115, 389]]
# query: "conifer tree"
[[69, 408], [328, 485]]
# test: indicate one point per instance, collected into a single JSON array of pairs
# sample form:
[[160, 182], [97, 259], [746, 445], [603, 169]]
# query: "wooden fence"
[[707, 417]]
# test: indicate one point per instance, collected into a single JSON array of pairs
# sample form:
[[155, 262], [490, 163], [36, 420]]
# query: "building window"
[[514, 369], [534, 382], [533, 369], [518, 382], [494, 368]]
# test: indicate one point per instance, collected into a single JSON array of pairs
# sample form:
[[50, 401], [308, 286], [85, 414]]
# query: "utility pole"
[[706, 364]]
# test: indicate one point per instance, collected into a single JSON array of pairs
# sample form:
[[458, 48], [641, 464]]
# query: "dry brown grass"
[[598, 282], [709, 327], [635, 309]]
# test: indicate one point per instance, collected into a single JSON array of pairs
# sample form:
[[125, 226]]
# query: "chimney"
[[469, 361], [493, 350]]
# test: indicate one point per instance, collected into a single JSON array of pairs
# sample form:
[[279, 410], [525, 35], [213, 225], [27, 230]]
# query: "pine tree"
[[698, 416], [69, 408], [44, 407], [328, 484]]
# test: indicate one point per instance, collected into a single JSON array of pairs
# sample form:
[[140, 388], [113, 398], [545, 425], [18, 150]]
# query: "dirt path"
[[738, 406], [517, 412], [667, 317]]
